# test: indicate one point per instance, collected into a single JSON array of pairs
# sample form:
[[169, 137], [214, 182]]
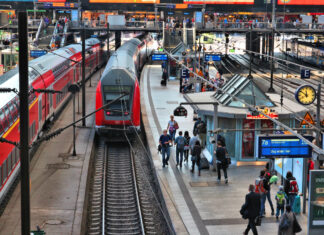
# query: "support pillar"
[[117, 39]]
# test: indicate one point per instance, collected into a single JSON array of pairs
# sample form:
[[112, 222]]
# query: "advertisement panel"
[[218, 1], [316, 202], [300, 2], [125, 1]]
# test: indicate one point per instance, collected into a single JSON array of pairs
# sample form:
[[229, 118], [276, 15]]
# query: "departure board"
[[219, 1], [283, 146], [125, 1], [301, 2]]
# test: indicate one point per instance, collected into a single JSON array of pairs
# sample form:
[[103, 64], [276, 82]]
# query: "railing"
[[133, 24], [258, 25], [40, 28], [31, 22], [55, 33]]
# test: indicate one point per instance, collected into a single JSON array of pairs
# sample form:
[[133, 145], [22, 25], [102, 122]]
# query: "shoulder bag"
[[296, 226]]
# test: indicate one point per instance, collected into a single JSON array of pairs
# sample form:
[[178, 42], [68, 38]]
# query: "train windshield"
[[120, 107]]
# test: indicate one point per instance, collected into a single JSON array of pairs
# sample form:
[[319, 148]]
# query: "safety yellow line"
[[16, 122]]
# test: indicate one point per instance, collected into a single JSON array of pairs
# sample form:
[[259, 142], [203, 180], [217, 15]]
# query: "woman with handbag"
[[288, 223], [196, 157], [172, 127]]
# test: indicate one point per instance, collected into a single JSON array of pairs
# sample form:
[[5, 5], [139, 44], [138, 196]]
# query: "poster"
[[316, 202], [300, 2]]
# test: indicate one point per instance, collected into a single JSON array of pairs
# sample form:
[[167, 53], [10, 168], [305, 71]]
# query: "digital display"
[[125, 1], [159, 57], [212, 57], [117, 89], [219, 1], [300, 2], [32, 1], [283, 146], [37, 53]]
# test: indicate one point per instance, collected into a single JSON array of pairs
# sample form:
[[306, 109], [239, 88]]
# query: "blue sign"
[[74, 15], [171, 6], [212, 57], [37, 53], [286, 146], [159, 57], [198, 17], [305, 73], [184, 73]]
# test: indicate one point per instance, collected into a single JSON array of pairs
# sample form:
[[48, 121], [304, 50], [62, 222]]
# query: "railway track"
[[119, 203]]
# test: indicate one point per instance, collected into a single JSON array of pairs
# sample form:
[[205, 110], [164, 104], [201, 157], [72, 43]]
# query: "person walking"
[[252, 206], [281, 201], [288, 224], [172, 127], [196, 157], [259, 188], [187, 145], [221, 161], [267, 187], [291, 188], [180, 145], [165, 141], [192, 142]]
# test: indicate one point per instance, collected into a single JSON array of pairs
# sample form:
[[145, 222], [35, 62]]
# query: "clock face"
[[305, 95]]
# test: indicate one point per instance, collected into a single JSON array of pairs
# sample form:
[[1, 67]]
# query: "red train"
[[121, 75], [57, 70]]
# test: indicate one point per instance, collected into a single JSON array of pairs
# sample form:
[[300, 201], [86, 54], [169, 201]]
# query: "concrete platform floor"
[[197, 205], [58, 180]]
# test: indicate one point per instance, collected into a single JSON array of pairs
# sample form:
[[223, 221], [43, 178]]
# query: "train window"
[[13, 161], [40, 110], [1, 175], [17, 154], [113, 92], [9, 162], [2, 123], [13, 110], [7, 114], [4, 170]]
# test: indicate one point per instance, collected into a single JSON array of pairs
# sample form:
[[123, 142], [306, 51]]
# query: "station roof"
[[242, 87]]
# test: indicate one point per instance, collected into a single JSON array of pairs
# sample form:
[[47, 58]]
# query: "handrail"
[[55, 32], [40, 27], [64, 37]]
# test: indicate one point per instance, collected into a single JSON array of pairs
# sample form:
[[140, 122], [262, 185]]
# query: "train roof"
[[123, 57], [39, 66]]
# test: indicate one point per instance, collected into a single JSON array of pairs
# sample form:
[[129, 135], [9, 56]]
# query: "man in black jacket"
[[252, 206]]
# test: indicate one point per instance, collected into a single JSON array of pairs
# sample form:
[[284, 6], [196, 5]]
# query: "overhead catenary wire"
[[315, 148]]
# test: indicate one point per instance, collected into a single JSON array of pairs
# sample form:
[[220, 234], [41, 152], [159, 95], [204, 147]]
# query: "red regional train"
[[121, 75], [57, 71]]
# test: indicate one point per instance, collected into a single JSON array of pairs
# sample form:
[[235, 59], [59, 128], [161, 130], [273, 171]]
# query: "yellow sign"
[[307, 120]]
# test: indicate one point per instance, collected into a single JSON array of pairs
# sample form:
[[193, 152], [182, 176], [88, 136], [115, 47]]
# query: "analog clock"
[[305, 94]]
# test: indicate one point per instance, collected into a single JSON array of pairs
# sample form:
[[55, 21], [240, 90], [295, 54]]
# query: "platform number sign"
[[180, 111], [185, 73], [305, 73]]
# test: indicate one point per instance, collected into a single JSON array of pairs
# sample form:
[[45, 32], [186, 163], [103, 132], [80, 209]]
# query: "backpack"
[[281, 198], [181, 142], [285, 223], [259, 188], [293, 187]]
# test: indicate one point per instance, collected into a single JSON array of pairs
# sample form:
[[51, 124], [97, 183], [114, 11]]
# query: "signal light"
[[108, 113], [126, 113]]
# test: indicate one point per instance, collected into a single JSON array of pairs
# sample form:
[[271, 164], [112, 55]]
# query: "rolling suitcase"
[[163, 82], [296, 206]]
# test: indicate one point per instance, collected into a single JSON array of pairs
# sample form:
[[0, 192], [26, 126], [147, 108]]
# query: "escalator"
[[43, 35]]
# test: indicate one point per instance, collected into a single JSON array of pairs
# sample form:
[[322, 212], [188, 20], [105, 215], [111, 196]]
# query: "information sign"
[[285, 146], [184, 73], [159, 57], [212, 57], [37, 53], [300, 2], [198, 17], [180, 111], [307, 119], [305, 73], [125, 1], [316, 202], [220, 1], [74, 15]]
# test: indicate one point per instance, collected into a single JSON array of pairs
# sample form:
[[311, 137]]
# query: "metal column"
[[215, 128], [24, 122], [83, 77]]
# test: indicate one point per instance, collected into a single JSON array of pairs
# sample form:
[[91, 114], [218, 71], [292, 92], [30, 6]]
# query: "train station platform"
[[197, 205], [58, 180]]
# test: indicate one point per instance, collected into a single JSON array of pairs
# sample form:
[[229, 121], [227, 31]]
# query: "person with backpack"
[[187, 145], [180, 145], [202, 131], [288, 224], [259, 188], [164, 142], [221, 161], [196, 157], [267, 187], [192, 142], [291, 188], [281, 198], [172, 127]]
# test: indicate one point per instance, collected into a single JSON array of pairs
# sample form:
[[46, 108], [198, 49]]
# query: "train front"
[[118, 90]]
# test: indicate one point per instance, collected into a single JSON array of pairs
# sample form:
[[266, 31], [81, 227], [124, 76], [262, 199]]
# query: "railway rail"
[[119, 202]]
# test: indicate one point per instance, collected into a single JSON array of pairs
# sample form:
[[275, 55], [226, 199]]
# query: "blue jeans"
[[172, 134], [269, 200], [263, 200], [165, 150], [280, 209], [179, 151], [291, 198]]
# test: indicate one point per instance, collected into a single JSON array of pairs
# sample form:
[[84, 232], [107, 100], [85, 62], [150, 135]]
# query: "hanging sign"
[[270, 112], [180, 111]]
